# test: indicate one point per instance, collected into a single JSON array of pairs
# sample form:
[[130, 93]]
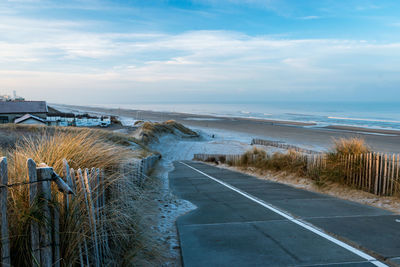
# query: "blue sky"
[[200, 50]]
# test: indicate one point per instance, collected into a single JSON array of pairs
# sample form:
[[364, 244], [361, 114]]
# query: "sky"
[[206, 51]]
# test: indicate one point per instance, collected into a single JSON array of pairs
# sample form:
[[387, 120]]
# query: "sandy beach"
[[297, 133]]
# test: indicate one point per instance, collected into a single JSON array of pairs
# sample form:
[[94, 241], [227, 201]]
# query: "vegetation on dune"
[[296, 162], [348, 146], [291, 161], [150, 131], [83, 148], [11, 133]]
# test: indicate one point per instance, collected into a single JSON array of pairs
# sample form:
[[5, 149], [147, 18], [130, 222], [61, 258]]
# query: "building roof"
[[27, 117], [8, 107]]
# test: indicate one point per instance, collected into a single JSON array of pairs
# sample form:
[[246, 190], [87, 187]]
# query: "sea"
[[358, 114]]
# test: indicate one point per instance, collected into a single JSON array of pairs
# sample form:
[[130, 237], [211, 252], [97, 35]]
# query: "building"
[[31, 120], [57, 118], [14, 97], [12, 110]]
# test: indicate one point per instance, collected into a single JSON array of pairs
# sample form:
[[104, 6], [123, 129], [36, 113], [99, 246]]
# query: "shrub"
[[344, 146], [83, 148]]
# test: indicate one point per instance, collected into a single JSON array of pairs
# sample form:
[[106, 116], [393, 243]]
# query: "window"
[[4, 119]]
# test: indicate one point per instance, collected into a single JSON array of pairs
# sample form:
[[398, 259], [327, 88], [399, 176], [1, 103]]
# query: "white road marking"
[[305, 225]]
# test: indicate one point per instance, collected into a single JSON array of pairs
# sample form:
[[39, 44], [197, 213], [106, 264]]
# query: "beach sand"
[[301, 134]]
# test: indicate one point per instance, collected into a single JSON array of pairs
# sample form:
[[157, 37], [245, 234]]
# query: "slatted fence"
[[88, 185], [282, 145], [376, 173]]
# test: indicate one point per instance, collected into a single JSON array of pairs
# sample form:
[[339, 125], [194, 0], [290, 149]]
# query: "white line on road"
[[294, 220]]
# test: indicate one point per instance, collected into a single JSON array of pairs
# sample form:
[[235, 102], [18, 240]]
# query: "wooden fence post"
[[397, 174], [44, 175], [33, 193], [5, 242], [376, 173], [385, 174], [392, 176], [75, 186], [369, 171]]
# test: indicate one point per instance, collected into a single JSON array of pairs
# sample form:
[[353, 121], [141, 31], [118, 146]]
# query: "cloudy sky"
[[99, 51]]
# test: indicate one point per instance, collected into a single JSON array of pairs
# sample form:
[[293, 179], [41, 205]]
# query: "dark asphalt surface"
[[228, 229]]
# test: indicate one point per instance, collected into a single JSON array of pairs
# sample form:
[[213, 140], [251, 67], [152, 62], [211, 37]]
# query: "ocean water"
[[369, 115]]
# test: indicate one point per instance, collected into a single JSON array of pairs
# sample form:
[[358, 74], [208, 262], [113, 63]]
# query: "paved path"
[[245, 221]]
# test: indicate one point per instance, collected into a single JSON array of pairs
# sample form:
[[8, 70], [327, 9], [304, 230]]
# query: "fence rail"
[[45, 238], [282, 145], [376, 173]]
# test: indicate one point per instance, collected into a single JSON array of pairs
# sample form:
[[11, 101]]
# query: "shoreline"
[[200, 117], [302, 134]]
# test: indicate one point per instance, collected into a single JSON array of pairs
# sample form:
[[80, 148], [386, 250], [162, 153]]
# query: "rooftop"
[[23, 107]]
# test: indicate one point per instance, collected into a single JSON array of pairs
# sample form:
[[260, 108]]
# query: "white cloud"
[[50, 56], [310, 17]]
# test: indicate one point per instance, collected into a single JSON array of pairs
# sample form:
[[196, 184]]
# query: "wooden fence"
[[376, 173], [282, 145], [45, 238]]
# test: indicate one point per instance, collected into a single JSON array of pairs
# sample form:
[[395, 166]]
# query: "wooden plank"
[[352, 169], [5, 241], [70, 174], [33, 192], [385, 167], [80, 181], [67, 179], [376, 181], [94, 175], [369, 172], [103, 201], [56, 236], [92, 217], [390, 191], [347, 158], [381, 173], [396, 187], [361, 172], [44, 189]]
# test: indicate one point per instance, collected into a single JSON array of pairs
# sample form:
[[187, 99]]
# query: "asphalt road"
[[244, 221]]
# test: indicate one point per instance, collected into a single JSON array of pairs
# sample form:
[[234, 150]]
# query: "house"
[[12, 110], [31, 120], [57, 118]]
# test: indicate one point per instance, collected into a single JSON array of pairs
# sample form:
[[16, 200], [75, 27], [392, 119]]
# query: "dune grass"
[[346, 146], [149, 132], [296, 163], [291, 161], [83, 148]]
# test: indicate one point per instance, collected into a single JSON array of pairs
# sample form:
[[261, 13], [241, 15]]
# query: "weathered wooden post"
[[376, 174], [44, 175], [368, 172], [385, 174], [33, 193], [73, 178], [5, 242]]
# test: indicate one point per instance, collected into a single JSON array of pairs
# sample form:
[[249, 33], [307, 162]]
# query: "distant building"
[[31, 120], [14, 97], [12, 110], [57, 118]]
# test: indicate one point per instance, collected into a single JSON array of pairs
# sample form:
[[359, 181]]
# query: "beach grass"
[[83, 148], [150, 131], [294, 162]]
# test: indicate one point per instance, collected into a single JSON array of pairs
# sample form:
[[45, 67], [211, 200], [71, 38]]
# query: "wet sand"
[[302, 134]]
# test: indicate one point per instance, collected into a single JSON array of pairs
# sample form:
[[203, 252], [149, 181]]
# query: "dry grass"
[[149, 132], [83, 148], [348, 146], [296, 163], [291, 161]]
